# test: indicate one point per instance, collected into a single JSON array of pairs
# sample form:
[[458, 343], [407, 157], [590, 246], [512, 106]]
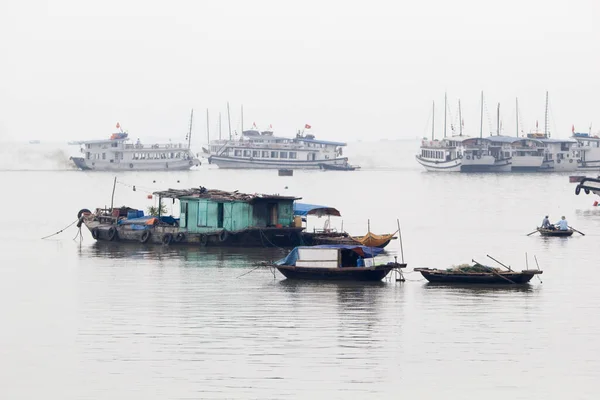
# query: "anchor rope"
[[56, 233]]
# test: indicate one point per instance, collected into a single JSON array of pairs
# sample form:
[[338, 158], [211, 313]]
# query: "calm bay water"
[[104, 321]]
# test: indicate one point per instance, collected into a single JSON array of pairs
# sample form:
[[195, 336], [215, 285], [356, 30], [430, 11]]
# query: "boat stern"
[[80, 163]]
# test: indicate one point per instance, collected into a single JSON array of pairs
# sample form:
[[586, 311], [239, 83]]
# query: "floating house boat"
[[207, 217], [262, 150], [118, 153], [335, 262]]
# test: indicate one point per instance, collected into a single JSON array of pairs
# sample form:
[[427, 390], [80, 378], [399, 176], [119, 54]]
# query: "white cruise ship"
[[118, 154], [588, 151], [262, 150]]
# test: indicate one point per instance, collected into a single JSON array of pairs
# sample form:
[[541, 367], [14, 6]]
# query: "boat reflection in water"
[[204, 256]]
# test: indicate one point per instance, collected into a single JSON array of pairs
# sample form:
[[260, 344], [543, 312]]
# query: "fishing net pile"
[[467, 268]]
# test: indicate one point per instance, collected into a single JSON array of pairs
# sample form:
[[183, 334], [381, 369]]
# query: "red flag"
[[270, 126], [118, 125], [536, 125], [254, 124], [573, 128], [306, 126]]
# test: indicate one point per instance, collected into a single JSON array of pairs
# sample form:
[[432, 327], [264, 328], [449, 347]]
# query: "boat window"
[[87, 155], [283, 154], [255, 153], [293, 154], [104, 156], [273, 154], [237, 153], [265, 154], [246, 153]]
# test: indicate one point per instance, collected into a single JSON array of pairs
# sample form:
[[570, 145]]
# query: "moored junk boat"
[[335, 262], [477, 274], [441, 155], [526, 154], [329, 234], [479, 155], [207, 217]]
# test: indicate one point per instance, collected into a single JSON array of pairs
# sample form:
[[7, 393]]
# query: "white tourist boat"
[[263, 150], [441, 155], [588, 149], [117, 153], [526, 154], [561, 155]]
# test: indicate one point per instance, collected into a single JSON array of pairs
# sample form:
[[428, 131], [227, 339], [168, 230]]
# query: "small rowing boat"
[[477, 274], [555, 232]]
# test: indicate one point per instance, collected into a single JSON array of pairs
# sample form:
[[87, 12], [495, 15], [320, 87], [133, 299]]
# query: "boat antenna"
[[219, 125], [481, 117], [445, 112], [460, 123], [229, 119], [242, 120], [190, 131], [498, 121], [546, 117], [433, 122], [207, 128]]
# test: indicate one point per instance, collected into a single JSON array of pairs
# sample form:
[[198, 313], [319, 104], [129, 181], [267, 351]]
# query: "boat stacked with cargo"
[[263, 150]]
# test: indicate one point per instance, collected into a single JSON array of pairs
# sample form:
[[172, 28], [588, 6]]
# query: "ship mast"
[[498, 121], [433, 122], [229, 119], [460, 123], [207, 128], [481, 118], [190, 132], [546, 118], [242, 120], [219, 125], [445, 108], [517, 108]]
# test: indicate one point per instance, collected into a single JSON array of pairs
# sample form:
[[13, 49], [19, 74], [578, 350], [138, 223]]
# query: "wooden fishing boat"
[[335, 262], [555, 232], [477, 274]]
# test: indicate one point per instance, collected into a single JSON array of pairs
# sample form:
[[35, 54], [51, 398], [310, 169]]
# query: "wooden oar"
[[583, 234], [494, 271], [508, 268], [536, 230]]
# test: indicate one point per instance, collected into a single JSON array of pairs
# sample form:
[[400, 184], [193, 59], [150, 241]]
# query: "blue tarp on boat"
[[363, 251], [304, 209], [142, 220]]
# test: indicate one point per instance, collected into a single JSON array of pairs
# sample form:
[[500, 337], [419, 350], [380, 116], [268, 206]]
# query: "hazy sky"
[[71, 69]]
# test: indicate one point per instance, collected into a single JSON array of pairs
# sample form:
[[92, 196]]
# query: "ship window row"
[[158, 156], [432, 154], [265, 154]]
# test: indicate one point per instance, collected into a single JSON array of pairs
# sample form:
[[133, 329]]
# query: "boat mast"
[[242, 119], [546, 117], [190, 132], [207, 128], [498, 121], [433, 122], [517, 108], [460, 123], [229, 119], [445, 107], [481, 118], [219, 125]]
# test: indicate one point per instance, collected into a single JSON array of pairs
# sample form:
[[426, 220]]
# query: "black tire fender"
[[130, 165], [578, 190], [112, 233], [167, 238], [223, 235], [145, 236], [95, 233], [83, 211], [180, 237], [203, 239]]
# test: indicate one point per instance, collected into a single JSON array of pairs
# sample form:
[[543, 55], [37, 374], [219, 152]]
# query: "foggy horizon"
[[71, 72]]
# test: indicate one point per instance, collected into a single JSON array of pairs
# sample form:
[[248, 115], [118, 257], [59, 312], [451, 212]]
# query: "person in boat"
[[546, 224], [360, 262], [563, 225]]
